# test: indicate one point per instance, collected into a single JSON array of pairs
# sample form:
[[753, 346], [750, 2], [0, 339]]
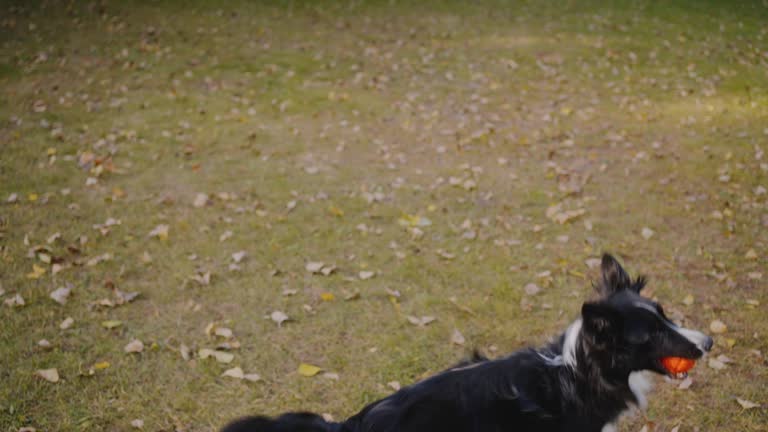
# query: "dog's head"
[[631, 331]]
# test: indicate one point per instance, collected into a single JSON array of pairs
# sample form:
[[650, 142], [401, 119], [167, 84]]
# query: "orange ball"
[[677, 364]]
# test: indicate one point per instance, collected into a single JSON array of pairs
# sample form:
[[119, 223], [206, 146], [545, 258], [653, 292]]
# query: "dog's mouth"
[[676, 367]]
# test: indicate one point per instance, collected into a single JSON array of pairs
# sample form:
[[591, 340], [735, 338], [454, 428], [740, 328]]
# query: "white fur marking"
[[640, 383], [647, 307], [552, 361], [569, 344], [609, 427]]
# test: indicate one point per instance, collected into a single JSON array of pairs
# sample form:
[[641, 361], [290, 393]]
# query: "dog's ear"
[[600, 321], [613, 278]]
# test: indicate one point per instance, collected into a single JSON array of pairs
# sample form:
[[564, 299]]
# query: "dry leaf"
[[220, 356], [137, 423], [531, 289], [685, 384], [314, 267], [110, 324], [746, 404], [67, 323], [224, 332], [279, 317], [201, 200], [647, 233], [239, 256], [252, 377], [366, 275], [101, 365], [718, 327], [394, 385], [235, 372], [125, 297], [202, 278], [36, 272], [308, 370], [716, 364], [15, 301], [134, 346], [50, 375], [457, 338], [421, 322], [160, 231]]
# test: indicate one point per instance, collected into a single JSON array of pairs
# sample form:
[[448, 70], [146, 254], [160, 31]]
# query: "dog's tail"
[[291, 422]]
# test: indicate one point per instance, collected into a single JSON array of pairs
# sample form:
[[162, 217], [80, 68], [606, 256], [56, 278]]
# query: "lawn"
[[291, 183]]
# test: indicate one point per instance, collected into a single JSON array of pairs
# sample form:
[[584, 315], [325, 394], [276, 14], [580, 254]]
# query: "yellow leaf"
[[37, 271], [308, 370], [336, 211], [32, 197], [111, 324], [326, 296], [101, 365]]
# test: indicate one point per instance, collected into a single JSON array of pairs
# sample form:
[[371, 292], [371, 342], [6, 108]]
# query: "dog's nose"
[[708, 342]]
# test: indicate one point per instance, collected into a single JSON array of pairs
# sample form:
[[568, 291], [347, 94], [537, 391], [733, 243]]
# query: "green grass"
[[322, 104]]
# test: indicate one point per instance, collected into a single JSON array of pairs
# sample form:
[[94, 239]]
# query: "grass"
[[290, 116]]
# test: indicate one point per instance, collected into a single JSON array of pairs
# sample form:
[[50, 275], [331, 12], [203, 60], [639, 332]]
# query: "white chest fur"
[[640, 383]]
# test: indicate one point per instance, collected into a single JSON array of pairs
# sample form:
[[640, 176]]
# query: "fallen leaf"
[[239, 256], [421, 322], [252, 377], [235, 372], [59, 295], [220, 356], [160, 231], [413, 221], [394, 385], [125, 297], [101, 365], [716, 364], [751, 255], [201, 200], [134, 346], [647, 233], [137, 423], [279, 317], [718, 327], [592, 263], [685, 384], [50, 375], [224, 332], [36, 272], [688, 300], [308, 370], [326, 296], [67, 323], [364, 275], [110, 324], [531, 289], [202, 278], [15, 301], [314, 267], [747, 404], [457, 338]]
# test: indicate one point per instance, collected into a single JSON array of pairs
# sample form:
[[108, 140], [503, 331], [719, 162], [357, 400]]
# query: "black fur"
[[543, 389]]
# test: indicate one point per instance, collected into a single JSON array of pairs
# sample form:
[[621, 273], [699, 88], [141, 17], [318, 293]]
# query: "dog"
[[582, 381]]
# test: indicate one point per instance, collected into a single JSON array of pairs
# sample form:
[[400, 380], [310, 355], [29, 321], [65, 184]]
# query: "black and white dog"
[[582, 382]]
